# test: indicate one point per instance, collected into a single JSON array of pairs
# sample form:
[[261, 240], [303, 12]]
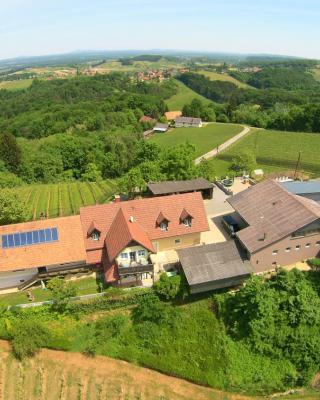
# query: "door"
[[132, 256]]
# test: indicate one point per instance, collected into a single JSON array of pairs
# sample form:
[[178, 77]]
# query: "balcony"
[[135, 268]]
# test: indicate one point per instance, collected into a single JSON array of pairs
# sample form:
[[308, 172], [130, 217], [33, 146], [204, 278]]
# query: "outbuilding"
[[177, 187], [161, 127]]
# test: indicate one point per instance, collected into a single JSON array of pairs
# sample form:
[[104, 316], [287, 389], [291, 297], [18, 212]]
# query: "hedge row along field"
[[276, 150], [63, 199]]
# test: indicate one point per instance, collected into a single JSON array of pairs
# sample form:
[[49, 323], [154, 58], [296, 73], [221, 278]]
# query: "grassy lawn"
[[16, 85], [276, 150], [63, 199], [204, 139], [84, 286], [183, 96], [215, 76]]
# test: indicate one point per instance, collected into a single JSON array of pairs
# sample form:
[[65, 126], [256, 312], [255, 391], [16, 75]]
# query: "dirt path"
[[223, 146]]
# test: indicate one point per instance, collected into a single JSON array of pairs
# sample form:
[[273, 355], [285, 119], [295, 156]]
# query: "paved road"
[[223, 146]]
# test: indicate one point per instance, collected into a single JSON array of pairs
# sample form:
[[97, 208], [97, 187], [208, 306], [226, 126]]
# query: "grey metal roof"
[[213, 262], [161, 126], [296, 187], [168, 187], [188, 120], [272, 213]]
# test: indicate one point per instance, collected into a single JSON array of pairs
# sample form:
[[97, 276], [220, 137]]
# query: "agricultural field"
[[63, 199], [215, 76], [183, 96], [204, 139], [276, 150], [316, 73], [57, 375], [16, 85]]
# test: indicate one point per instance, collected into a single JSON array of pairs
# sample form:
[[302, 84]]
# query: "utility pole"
[[297, 165]]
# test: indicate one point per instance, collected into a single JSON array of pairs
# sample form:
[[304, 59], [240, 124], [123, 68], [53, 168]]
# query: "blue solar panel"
[[28, 238]]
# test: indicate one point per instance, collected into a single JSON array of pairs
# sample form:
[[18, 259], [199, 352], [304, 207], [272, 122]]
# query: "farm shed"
[[213, 266], [309, 189], [188, 122], [176, 187], [161, 127]]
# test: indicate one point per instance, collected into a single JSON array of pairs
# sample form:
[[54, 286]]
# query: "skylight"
[[20, 239]]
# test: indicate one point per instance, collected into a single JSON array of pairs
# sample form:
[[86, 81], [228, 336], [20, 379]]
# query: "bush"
[[314, 262], [62, 291], [167, 287], [27, 338]]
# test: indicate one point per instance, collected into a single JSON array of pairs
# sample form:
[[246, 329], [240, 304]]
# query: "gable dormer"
[[186, 218], [94, 231], [162, 222]]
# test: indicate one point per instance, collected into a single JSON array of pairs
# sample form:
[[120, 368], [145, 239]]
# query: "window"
[[308, 245], [164, 226], [298, 247], [95, 235], [187, 222], [124, 256], [275, 252], [288, 249], [318, 243], [177, 241], [141, 253]]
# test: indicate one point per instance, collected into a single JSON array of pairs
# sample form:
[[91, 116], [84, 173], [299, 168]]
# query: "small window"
[[124, 256], [298, 247], [177, 241], [187, 222], [141, 253], [318, 243], [288, 249], [95, 235], [164, 226], [308, 245], [275, 252]]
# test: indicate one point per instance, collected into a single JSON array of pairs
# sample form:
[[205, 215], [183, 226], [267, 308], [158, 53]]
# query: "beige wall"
[[169, 243], [264, 259], [128, 250]]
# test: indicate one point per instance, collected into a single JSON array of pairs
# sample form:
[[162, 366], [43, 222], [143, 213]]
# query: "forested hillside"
[[287, 98]]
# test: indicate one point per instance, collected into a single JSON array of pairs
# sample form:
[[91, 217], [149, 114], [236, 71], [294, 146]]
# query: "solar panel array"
[[20, 239]]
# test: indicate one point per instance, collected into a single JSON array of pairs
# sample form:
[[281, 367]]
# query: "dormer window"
[[164, 225], [95, 235], [186, 218], [162, 222], [187, 222]]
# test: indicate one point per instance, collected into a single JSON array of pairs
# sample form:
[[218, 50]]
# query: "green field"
[[215, 76], [16, 85], [183, 96], [204, 139], [63, 199], [276, 150]]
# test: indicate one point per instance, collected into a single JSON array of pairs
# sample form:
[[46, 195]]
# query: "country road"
[[223, 146]]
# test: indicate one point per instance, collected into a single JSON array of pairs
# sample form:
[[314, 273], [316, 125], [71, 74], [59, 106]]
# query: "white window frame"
[[298, 247], [274, 252], [141, 253], [164, 226], [187, 222], [124, 256], [288, 249], [95, 236], [308, 245]]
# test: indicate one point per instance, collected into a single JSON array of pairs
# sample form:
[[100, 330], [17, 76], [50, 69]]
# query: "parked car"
[[230, 225]]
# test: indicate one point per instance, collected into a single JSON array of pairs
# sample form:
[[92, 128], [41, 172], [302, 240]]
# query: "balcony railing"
[[135, 269]]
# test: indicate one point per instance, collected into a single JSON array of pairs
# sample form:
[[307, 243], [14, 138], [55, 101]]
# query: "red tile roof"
[[124, 230], [69, 247], [145, 213]]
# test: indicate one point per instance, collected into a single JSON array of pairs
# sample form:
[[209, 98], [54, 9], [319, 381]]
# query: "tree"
[[92, 173], [62, 291], [244, 162], [27, 337], [132, 182], [177, 162], [150, 308], [167, 287], [12, 209], [206, 170], [10, 152]]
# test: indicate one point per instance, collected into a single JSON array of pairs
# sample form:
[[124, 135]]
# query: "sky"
[[40, 27]]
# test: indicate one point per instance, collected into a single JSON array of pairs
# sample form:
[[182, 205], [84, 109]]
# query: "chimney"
[[117, 199]]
